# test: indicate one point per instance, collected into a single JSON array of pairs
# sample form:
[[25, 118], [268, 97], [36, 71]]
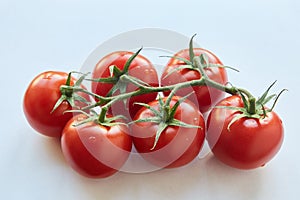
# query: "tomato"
[[248, 143], [177, 146], [205, 97], [40, 98], [94, 150], [140, 68]]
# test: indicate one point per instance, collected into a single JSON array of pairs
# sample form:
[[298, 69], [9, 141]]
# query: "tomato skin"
[[205, 97], [250, 143], [177, 146], [140, 68], [93, 150], [40, 98]]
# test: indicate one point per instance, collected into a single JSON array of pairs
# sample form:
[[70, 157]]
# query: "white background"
[[259, 37]]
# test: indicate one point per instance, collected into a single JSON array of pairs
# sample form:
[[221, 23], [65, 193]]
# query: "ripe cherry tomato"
[[94, 150], [205, 97], [140, 68], [248, 143], [40, 98], [177, 146]]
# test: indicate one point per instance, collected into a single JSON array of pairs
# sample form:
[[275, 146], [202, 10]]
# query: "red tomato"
[[39, 100], [177, 146], [140, 68], [205, 97], [94, 150], [248, 143]]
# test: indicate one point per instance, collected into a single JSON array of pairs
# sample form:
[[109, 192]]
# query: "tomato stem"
[[102, 115], [145, 89], [197, 62], [174, 90], [244, 91], [252, 106]]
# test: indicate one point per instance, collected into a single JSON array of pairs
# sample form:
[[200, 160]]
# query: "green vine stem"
[[144, 89], [204, 80]]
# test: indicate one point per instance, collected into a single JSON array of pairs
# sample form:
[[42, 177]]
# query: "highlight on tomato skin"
[[93, 150], [205, 97], [248, 143], [40, 98], [177, 146]]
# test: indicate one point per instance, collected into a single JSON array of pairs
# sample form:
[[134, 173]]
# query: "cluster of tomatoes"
[[164, 125]]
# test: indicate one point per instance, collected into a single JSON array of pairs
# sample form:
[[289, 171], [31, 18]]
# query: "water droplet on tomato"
[[92, 138]]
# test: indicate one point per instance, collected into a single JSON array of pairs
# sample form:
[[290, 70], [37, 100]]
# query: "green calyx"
[[254, 108], [191, 63], [164, 117], [115, 76], [94, 117], [68, 92]]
